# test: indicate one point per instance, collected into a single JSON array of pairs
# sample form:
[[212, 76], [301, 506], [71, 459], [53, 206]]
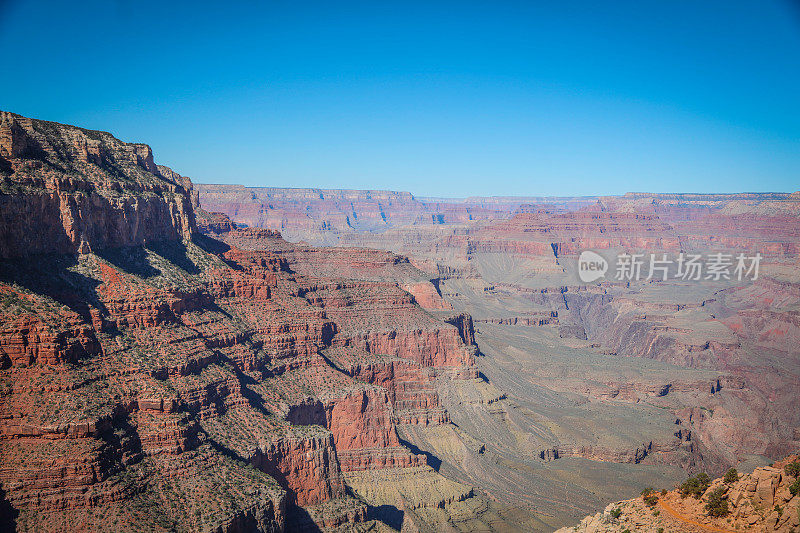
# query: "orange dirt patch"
[[675, 514]]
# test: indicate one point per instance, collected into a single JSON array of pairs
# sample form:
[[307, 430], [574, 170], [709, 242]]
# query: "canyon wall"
[[152, 376], [438, 362], [66, 189]]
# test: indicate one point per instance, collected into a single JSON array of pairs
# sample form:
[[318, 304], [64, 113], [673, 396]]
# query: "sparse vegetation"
[[616, 513], [731, 476], [717, 503], [793, 468]]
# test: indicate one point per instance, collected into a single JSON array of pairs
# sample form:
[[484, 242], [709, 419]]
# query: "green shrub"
[[731, 476], [717, 503], [647, 492], [794, 488], [793, 468], [650, 500], [615, 513], [695, 486], [779, 510], [660, 530]]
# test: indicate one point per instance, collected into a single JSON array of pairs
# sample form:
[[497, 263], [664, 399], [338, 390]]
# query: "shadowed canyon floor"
[[170, 361]]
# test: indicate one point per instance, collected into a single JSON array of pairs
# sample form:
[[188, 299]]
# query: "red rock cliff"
[[65, 190]]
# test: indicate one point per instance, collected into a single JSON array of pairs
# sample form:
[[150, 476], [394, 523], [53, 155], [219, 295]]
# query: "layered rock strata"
[[155, 378]]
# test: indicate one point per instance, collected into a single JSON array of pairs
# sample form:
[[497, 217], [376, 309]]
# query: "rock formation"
[[66, 189], [155, 378], [760, 501]]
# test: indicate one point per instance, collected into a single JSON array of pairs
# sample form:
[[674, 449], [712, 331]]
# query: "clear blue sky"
[[437, 98]]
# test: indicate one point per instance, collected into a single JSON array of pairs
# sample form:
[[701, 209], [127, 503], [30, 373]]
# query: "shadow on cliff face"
[[132, 260], [433, 461], [176, 253], [388, 514], [298, 519], [57, 277], [224, 450], [61, 277], [8, 515], [210, 245], [5, 166]]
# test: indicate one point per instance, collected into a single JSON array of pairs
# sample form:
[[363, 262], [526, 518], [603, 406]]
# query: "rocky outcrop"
[[426, 295], [363, 424], [598, 453], [544, 318], [26, 340], [67, 190], [438, 347], [410, 388], [306, 467], [759, 501]]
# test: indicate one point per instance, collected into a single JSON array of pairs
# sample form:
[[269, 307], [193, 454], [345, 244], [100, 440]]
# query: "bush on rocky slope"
[[695, 485], [717, 502]]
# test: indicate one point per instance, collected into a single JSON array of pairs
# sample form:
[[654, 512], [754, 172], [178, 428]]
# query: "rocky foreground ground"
[[761, 501]]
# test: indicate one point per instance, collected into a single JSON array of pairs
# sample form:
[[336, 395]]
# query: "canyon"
[[192, 357], [664, 376]]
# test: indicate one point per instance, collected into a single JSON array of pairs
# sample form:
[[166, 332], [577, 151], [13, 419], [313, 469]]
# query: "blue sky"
[[436, 98]]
